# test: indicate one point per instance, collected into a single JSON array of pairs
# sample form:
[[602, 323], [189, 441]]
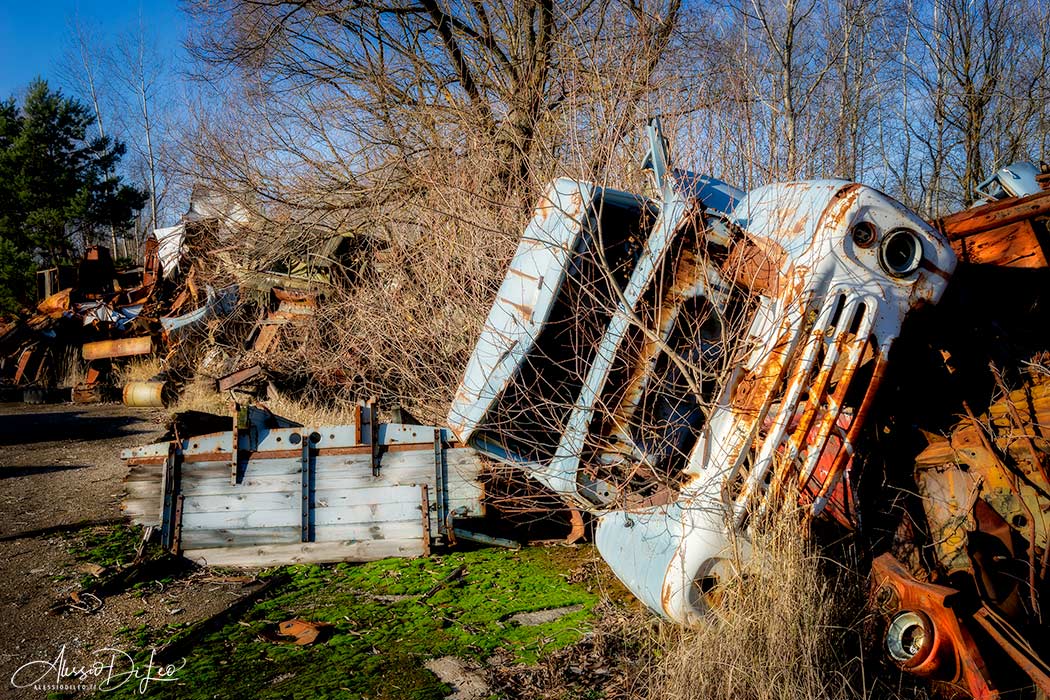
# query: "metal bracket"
[[425, 507], [170, 513], [306, 503], [176, 539], [240, 422], [373, 437], [440, 486]]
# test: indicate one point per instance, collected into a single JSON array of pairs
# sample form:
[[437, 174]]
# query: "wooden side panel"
[[353, 515], [1007, 233], [464, 464], [305, 553]]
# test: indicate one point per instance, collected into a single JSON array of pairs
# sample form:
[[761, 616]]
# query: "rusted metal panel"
[[923, 635], [1001, 232], [998, 458], [239, 377], [121, 347]]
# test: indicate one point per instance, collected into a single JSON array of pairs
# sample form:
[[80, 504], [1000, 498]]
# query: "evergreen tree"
[[55, 183]]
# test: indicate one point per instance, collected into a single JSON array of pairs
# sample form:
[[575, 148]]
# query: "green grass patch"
[[386, 626]]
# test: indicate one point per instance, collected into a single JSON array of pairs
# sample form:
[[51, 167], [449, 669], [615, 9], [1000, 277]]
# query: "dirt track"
[[59, 466]]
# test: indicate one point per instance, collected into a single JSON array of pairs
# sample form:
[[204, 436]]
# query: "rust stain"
[[756, 264]]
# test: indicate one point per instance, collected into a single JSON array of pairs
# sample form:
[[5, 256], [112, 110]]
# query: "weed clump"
[[778, 632]]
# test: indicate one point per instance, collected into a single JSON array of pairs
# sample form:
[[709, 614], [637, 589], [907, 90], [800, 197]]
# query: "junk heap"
[[681, 368]]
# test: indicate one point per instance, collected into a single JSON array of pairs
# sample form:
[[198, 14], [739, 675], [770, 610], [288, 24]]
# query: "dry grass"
[[70, 368], [308, 413], [200, 395], [138, 369], [777, 635]]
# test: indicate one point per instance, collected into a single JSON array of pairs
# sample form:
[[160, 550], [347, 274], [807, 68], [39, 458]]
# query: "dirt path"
[[59, 466]]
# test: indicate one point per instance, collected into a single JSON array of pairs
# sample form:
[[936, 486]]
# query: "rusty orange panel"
[[121, 347], [999, 233], [1013, 245]]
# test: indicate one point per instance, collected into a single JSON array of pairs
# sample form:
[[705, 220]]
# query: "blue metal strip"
[[560, 474]]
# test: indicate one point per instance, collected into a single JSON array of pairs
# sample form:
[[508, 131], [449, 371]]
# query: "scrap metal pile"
[[172, 307], [687, 367]]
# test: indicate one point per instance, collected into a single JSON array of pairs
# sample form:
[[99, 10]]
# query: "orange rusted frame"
[[949, 654], [1015, 646]]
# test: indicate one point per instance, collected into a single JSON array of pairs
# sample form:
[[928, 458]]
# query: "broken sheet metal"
[[169, 248], [99, 312], [217, 303], [354, 492], [678, 371]]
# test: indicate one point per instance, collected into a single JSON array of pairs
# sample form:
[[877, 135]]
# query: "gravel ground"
[[59, 466]]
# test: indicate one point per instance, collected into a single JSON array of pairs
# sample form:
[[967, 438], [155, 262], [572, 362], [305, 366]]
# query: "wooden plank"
[[141, 513], [993, 215], [255, 467], [244, 537], [326, 495], [369, 513], [223, 487], [305, 553], [399, 530], [197, 538], [323, 515], [241, 520], [143, 489], [253, 500], [145, 472]]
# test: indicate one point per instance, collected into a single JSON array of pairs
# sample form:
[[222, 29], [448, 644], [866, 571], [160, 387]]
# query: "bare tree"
[[139, 69], [980, 68]]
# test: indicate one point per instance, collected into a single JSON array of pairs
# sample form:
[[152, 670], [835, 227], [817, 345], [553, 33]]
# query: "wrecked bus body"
[[679, 366]]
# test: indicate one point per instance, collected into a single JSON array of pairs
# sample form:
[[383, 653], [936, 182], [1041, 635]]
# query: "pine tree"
[[56, 184]]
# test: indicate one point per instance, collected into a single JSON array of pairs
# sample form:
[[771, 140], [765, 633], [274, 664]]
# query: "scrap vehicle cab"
[[687, 366], [679, 366]]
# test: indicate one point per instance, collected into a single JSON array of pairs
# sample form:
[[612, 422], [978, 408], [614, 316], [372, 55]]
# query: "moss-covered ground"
[[388, 618]]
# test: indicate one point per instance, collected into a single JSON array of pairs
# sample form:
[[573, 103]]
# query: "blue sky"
[[34, 34]]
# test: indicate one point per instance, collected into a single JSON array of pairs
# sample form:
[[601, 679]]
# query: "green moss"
[[388, 617], [113, 545]]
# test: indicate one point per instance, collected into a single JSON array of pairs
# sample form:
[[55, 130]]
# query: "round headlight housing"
[[864, 234], [900, 253], [909, 637]]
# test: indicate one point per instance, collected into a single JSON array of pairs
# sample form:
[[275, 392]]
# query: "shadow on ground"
[[46, 426]]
